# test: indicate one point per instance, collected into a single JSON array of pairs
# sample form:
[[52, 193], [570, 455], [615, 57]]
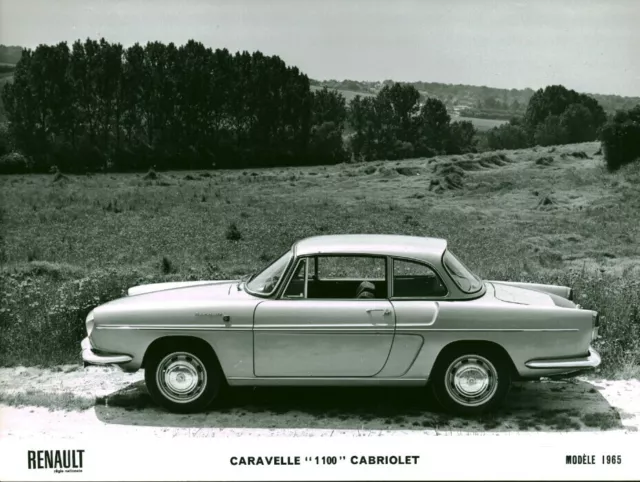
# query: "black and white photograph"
[[319, 239]]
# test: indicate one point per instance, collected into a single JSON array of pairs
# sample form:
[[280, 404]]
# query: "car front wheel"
[[183, 380], [470, 381]]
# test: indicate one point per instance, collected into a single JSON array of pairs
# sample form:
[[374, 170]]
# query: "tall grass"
[[71, 247]]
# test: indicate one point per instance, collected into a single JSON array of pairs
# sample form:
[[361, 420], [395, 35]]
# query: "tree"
[[550, 132], [367, 128], [99, 106], [401, 103], [554, 100], [577, 123], [433, 126], [621, 138], [507, 136], [462, 138], [328, 115]]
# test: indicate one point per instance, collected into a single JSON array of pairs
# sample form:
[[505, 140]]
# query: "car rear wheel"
[[470, 381], [183, 380]]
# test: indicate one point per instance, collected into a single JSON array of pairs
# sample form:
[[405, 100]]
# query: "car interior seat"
[[366, 289]]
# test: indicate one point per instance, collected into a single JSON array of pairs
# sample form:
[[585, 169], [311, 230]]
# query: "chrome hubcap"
[[181, 377], [471, 380]]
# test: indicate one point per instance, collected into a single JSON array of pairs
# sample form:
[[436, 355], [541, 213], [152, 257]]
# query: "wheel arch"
[[180, 340], [486, 345]]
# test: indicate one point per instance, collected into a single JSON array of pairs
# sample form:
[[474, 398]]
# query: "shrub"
[[166, 266], [233, 233], [621, 138], [14, 163], [462, 138], [550, 132], [46, 326], [507, 136]]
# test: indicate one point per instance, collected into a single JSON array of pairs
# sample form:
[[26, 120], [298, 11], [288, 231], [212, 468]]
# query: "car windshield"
[[266, 281], [465, 279]]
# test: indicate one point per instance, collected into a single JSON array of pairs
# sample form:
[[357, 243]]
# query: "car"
[[346, 310]]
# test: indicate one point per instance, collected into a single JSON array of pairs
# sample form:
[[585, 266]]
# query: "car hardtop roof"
[[380, 244]]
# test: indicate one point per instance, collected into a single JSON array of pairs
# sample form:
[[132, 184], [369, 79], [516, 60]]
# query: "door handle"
[[385, 311]]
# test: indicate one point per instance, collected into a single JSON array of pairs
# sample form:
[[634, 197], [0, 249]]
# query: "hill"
[[541, 214], [10, 54], [470, 101]]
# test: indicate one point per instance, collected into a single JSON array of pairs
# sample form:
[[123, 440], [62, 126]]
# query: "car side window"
[[339, 278], [295, 288], [351, 267], [416, 280]]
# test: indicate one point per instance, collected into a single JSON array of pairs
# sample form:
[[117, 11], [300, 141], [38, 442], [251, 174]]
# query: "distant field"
[[543, 214], [481, 124], [349, 95]]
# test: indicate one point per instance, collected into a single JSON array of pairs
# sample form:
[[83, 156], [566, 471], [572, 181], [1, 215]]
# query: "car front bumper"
[[90, 357], [570, 364]]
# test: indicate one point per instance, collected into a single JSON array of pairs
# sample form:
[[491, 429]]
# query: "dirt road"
[[70, 401]]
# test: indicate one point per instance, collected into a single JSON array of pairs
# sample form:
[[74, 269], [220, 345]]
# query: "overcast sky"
[[587, 45]]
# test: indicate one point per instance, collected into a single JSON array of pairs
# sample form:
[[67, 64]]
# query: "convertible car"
[[346, 310]]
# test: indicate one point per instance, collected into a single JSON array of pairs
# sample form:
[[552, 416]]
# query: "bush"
[[579, 114], [47, 324], [326, 145], [462, 138], [14, 163], [550, 132], [233, 233], [507, 136], [621, 139]]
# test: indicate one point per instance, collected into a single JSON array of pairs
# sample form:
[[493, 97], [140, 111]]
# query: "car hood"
[[521, 296], [177, 296], [218, 286]]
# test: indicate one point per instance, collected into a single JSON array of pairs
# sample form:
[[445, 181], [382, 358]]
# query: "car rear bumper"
[[569, 364], [90, 357]]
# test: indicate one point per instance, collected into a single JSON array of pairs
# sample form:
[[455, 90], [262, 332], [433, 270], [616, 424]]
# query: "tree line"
[[98, 106]]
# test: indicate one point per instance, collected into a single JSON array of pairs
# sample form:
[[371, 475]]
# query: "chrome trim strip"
[[310, 326], [185, 327], [356, 328], [591, 361], [328, 379], [426, 327], [296, 330]]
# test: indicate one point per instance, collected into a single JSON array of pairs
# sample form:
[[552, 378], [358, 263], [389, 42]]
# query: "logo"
[[58, 460]]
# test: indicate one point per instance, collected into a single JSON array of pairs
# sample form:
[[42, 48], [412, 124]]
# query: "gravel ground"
[[70, 401]]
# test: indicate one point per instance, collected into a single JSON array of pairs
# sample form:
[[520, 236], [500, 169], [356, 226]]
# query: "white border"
[[205, 455]]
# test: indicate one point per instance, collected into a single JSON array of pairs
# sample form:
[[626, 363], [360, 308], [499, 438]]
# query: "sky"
[[587, 45]]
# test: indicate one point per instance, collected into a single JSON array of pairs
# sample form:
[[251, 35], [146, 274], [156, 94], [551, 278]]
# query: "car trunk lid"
[[521, 296]]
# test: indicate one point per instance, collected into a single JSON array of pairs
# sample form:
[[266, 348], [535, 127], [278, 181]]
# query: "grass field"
[[541, 214], [481, 124]]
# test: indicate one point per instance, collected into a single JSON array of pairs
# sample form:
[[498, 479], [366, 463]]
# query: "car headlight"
[[89, 323]]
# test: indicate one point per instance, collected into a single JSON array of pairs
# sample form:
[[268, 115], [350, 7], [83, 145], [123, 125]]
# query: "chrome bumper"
[[584, 363], [91, 358]]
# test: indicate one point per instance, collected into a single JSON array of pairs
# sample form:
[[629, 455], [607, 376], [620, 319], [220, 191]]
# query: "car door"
[[325, 326], [415, 292]]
